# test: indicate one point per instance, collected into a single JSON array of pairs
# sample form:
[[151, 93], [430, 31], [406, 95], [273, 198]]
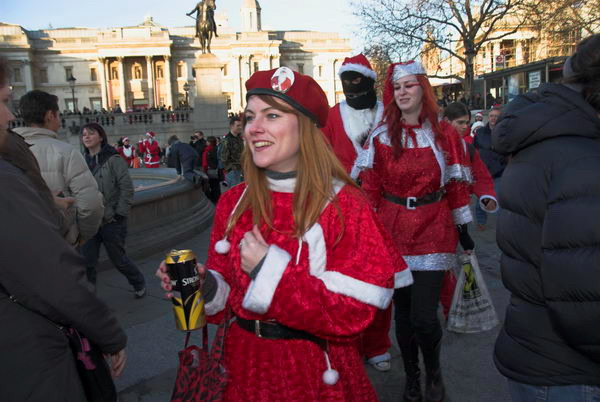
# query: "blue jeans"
[[520, 392], [113, 236], [480, 214], [233, 177]]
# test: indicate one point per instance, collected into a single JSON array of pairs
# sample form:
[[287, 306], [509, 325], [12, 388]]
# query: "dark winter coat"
[[47, 275], [182, 154], [231, 152], [494, 161], [549, 234], [112, 175]]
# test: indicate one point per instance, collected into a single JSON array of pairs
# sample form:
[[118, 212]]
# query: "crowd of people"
[[334, 220]]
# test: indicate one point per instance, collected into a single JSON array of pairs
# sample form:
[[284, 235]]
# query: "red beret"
[[298, 90]]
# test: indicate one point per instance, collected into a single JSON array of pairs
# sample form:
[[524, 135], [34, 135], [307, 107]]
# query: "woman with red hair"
[[416, 176]]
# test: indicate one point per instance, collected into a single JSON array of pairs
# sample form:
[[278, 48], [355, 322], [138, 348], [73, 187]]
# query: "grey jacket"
[[46, 275], [112, 175], [64, 170]]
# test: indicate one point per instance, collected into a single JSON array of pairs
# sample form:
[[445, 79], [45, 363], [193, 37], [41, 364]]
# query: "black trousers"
[[417, 322]]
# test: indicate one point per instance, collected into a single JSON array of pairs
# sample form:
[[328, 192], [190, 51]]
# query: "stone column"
[[103, 84], [107, 79], [150, 80], [122, 96], [168, 81], [27, 75], [210, 106]]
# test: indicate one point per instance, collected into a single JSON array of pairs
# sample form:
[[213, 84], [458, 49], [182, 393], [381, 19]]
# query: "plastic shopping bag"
[[472, 309]]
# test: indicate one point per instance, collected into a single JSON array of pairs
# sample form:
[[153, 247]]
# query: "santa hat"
[[479, 114], [151, 134], [298, 90], [395, 72], [125, 139], [359, 64]]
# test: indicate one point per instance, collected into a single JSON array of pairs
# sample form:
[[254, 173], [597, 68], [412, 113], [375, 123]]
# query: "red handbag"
[[201, 375]]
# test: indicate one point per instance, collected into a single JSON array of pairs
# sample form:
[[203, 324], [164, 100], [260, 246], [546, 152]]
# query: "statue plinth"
[[210, 105]]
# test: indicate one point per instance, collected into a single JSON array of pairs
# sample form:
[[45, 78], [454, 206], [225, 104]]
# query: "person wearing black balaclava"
[[348, 125]]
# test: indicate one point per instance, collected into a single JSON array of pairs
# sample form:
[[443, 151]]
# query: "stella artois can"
[[189, 306]]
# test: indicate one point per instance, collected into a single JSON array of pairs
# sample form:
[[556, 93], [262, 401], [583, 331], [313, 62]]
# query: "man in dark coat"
[[549, 235], [47, 277], [184, 158], [493, 160]]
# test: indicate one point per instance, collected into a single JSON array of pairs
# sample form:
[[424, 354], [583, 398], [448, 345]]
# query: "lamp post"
[[186, 88], [72, 81]]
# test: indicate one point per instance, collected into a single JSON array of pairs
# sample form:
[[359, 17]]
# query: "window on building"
[[255, 65], [179, 70], [68, 73], [228, 99], [137, 71], [320, 71], [71, 104], [301, 68], [17, 75], [225, 71], [114, 73], [43, 76], [93, 74], [159, 71], [96, 103]]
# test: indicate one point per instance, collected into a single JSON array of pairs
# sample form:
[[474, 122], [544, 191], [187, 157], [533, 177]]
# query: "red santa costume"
[[127, 152], [327, 287], [420, 194], [151, 151], [347, 129]]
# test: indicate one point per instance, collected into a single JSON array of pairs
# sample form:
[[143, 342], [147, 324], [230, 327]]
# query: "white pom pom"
[[222, 246], [331, 377]]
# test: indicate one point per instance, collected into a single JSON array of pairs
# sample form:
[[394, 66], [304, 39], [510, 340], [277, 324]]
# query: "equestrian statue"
[[205, 23]]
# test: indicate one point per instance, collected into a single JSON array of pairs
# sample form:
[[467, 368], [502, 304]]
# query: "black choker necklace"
[[280, 176]]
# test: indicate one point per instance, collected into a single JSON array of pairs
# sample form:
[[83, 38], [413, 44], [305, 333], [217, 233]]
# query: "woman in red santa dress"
[[416, 175], [151, 151], [291, 253], [126, 151]]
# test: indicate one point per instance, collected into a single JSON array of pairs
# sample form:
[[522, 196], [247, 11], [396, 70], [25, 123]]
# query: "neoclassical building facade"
[[149, 65]]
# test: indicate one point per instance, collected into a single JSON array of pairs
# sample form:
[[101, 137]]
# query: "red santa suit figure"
[[348, 125], [127, 152], [417, 177], [151, 151], [301, 277]]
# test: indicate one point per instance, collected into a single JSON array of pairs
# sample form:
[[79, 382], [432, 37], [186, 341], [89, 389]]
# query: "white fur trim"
[[489, 197], [282, 186], [366, 156], [380, 358], [359, 123], [260, 293], [218, 303], [459, 172], [359, 68], [431, 262], [403, 278], [402, 70], [462, 215], [337, 282]]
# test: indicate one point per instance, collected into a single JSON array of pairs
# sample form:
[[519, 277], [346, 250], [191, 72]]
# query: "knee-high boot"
[[410, 357], [434, 385]]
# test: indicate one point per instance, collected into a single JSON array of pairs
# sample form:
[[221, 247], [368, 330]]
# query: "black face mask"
[[359, 90]]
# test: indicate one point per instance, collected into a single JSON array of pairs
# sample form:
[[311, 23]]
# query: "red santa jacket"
[[347, 128]]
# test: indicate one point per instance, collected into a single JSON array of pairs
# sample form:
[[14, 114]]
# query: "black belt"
[[274, 330], [413, 202]]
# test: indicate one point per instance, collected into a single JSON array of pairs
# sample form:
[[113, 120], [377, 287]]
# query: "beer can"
[[189, 306]]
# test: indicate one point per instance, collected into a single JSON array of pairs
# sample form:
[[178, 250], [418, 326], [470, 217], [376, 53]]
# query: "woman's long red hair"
[[392, 115]]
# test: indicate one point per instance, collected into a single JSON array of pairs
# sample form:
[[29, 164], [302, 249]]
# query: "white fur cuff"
[[260, 293], [403, 278], [489, 197], [462, 215], [218, 303], [368, 293]]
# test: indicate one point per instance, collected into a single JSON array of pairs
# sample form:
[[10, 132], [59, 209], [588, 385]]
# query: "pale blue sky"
[[317, 15]]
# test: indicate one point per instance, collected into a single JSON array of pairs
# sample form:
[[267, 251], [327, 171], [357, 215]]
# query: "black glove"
[[466, 242]]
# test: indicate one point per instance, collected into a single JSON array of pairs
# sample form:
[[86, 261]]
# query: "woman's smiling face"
[[273, 136]]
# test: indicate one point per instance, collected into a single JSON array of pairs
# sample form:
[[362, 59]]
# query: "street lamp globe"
[[186, 88]]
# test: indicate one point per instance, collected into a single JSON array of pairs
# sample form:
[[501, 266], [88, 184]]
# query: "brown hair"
[[317, 166], [586, 66]]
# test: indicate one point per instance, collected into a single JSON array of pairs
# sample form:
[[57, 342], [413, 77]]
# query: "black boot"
[[410, 357], [434, 386]]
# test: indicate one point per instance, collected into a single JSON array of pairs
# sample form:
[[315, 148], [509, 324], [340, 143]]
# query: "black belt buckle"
[[410, 200]]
